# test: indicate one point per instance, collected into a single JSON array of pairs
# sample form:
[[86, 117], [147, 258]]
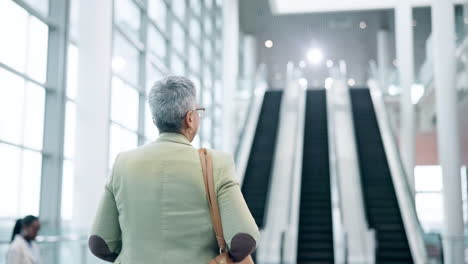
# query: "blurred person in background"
[[154, 208], [23, 248]]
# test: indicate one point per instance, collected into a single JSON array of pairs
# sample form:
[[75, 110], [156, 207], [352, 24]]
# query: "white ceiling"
[[284, 7]]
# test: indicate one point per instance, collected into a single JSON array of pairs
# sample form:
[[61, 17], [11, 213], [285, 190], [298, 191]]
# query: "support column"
[[443, 32], [405, 57], [383, 58], [92, 101], [230, 70]]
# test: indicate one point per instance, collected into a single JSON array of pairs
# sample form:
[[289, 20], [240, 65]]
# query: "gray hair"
[[169, 100]]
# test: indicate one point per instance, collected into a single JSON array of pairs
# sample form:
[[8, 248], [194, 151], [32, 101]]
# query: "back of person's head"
[[22, 223], [169, 100]]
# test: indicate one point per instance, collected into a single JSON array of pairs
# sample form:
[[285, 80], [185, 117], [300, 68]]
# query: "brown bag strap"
[[207, 169]]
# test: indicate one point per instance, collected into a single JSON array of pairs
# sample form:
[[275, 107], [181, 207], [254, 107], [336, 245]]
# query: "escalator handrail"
[[403, 191], [248, 131]]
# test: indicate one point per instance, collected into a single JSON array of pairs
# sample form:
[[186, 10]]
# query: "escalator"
[[256, 184], [381, 204], [315, 236]]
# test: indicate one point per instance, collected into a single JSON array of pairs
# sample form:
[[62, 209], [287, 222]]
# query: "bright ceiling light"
[[329, 63], [315, 56], [268, 43], [351, 82], [328, 83], [302, 64], [303, 82], [393, 90], [363, 25], [417, 92]]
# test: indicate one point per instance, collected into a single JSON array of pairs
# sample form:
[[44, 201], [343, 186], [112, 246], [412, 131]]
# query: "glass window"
[[178, 7], [124, 104], [194, 55], [40, 5], [209, 4], [37, 49], [208, 50], [74, 14], [178, 38], [151, 132], [70, 126], [157, 11], [196, 6], [195, 29], [34, 102], [128, 17], [177, 65], [120, 140], [208, 26], [196, 82], [428, 178], [430, 211], [67, 190], [156, 43], [29, 193], [153, 75], [10, 169], [14, 32], [125, 59], [72, 71], [11, 107]]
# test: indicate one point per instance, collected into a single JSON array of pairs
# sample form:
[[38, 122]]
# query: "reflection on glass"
[[208, 50], [125, 59], [208, 26], [120, 140], [14, 32], [196, 82], [156, 43], [74, 13], [70, 126], [196, 6], [67, 190], [124, 104], [128, 17], [10, 169], [11, 107], [30, 186], [72, 71], [157, 11], [37, 49], [34, 103]]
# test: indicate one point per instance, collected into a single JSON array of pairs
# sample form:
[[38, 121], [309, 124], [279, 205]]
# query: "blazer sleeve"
[[235, 215], [106, 236]]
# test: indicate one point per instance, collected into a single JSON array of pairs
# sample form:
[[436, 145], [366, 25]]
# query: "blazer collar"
[[173, 137]]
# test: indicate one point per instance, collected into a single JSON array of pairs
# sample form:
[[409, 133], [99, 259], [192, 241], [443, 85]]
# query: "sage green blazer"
[[154, 208]]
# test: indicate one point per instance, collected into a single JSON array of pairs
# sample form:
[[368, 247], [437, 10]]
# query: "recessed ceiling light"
[[363, 25], [329, 63], [268, 43], [351, 82], [328, 83], [315, 56], [303, 82]]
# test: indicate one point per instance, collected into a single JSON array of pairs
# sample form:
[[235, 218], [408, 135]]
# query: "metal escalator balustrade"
[[381, 204], [256, 183], [315, 238]]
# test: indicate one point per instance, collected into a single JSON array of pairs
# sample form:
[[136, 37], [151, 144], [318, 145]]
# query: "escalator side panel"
[[382, 209], [315, 236], [255, 187]]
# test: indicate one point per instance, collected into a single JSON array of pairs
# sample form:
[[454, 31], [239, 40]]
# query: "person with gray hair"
[[154, 208]]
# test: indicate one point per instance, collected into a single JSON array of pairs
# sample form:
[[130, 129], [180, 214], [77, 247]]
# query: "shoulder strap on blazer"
[[207, 169]]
